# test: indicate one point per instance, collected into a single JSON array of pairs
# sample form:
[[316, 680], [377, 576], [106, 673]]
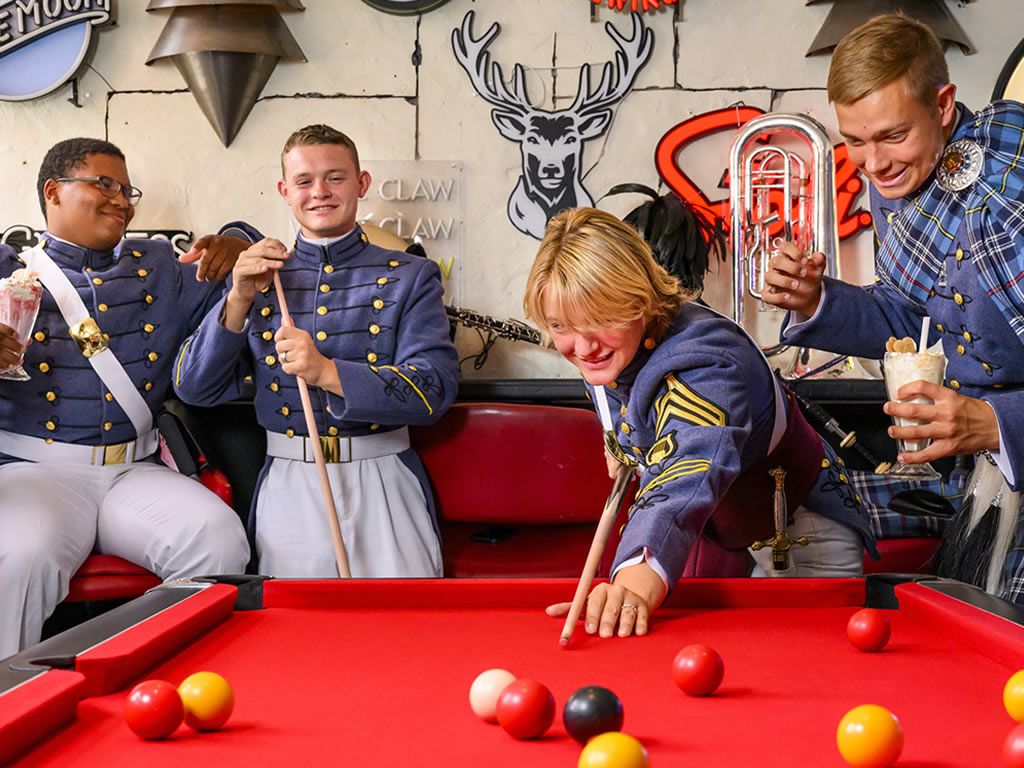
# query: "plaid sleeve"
[[877, 491]]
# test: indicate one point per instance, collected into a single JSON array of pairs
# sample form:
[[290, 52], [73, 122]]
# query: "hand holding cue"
[[604, 529], [318, 452]]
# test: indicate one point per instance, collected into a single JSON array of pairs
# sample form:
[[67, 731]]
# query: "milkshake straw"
[[923, 343]]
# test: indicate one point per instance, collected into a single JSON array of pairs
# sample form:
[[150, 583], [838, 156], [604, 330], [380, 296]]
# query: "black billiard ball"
[[591, 711]]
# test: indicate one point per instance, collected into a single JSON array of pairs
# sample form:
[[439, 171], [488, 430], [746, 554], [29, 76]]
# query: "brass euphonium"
[[778, 193]]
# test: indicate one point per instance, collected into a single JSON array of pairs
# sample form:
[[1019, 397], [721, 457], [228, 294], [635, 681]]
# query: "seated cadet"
[[370, 339], [77, 445], [687, 398]]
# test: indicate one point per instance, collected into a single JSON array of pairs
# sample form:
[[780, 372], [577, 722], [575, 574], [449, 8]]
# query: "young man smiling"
[[371, 340], [947, 198], [77, 444]]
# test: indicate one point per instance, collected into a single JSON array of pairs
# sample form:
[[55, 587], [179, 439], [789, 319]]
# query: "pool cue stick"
[[318, 452], [604, 529]]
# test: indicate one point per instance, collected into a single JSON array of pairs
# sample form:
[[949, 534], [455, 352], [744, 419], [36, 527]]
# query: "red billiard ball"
[[525, 709], [1013, 748], [154, 709], [698, 670], [208, 700], [868, 630]]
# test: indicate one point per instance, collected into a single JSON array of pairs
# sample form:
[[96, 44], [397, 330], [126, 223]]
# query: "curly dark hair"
[[64, 156]]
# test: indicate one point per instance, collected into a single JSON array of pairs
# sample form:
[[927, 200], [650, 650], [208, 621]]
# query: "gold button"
[[142, 273], [44, 367], [51, 426], [328, 269], [148, 327], [378, 304], [967, 336], [270, 360], [374, 329], [372, 357], [412, 368], [321, 310], [290, 432], [987, 367], [109, 397], [890, 216], [268, 335], [265, 291], [266, 311], [622, 410], [954, 384], [939, 328], [149, 386], [332, 431], [321, 335], [136, 254], [274, 386], [960, 349], [382, 281], [625, 428], [325, 288], [637, 450], [103, 307], [153, 356], [39, 336], [149, 299], [97, 281], [107, 425], [825, 463], [613, 385], [374, 427], [393, 263], [51, 395], [48, 441], [958, 298], [285, 411], [959, 254]]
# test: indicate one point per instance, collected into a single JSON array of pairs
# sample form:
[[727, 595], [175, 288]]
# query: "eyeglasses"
[[110, 187]]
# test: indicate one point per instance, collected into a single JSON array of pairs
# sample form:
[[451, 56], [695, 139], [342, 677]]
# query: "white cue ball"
[[484, 693]]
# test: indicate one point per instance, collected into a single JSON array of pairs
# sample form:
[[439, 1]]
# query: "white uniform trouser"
[[833, 549], [387, 529], [52, 516]]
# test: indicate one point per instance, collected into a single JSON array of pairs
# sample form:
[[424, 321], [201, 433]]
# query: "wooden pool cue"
[[604, 530], [318, 452]]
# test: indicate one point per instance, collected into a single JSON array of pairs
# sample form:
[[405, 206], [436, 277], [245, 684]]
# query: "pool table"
[[377, 673]]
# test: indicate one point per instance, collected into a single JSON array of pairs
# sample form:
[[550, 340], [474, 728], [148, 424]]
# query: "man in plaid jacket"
[[947, 198]]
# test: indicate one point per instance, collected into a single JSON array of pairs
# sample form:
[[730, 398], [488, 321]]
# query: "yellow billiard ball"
[[208, 700], [870, 736], [1013, 696], [614, 750]]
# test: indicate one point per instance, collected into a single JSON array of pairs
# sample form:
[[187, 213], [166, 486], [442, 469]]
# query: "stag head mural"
[[550, 141]]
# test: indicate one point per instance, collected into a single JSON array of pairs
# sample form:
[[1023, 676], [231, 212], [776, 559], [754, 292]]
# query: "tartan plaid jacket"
[[958, 257]]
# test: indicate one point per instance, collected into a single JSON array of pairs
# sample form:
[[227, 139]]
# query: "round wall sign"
[[405, 7], [1010, 84]]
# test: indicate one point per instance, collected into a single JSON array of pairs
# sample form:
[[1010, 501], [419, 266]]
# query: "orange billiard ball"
[[208, 700], [614, 750], [870, 736], [1013, 696]]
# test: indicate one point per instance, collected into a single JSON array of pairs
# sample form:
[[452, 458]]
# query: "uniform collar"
[[334, 253], [70, 255]]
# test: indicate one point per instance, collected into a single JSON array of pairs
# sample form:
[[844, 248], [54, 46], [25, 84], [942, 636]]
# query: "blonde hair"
[[882, 50], [596, 267], [313, 135]]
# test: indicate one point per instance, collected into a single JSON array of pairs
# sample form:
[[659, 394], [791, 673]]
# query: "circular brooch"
[[960, 165]]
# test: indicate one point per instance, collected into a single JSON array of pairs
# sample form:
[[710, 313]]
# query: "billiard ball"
[[698, 670], [208, 700], [1013, 696], [614, 750], [869, 736], [485, 690], [525, 709], [591, 711], [153, 709], [868, 630], [1013, 748]]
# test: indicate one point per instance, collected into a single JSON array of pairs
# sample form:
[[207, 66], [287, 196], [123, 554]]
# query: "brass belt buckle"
[[91, 340], [110, 454], [331, 447]]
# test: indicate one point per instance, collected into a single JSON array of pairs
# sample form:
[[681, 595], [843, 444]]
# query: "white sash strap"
[[339, 449], [603, 412], [40, 451], [104, 363]]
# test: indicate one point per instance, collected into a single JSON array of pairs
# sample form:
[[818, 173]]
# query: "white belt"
[[43, 452], [339, 449]]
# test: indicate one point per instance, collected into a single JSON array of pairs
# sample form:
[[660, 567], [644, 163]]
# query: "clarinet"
[[512, 330]]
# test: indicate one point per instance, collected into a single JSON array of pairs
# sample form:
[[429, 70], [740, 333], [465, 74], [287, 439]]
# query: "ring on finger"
[[629, 607], [284, 357]]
